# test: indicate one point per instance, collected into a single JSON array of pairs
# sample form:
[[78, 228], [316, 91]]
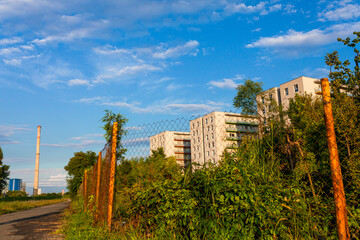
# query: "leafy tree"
[[340, 71], [76, 168], [245, 98], [108, 121], [4, 172]]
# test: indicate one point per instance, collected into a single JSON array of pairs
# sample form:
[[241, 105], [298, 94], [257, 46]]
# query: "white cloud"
[[344, 10], [294, 41], [242, 8], [8, 131], [93, 99], [12, 62], [225, 83], [187, 48], [79, 82], [66, 37], [116, 72], [164, 106], [263, 8], [85, 143], [229, 83], [8, 51], [110, 50], [9, 41]]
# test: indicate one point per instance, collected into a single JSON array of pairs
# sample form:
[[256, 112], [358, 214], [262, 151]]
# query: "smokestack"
[[36, 177]]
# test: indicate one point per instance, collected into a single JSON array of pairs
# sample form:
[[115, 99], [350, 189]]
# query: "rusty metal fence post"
[[112, 173], [85, 189], [337, 181], [97, 185]]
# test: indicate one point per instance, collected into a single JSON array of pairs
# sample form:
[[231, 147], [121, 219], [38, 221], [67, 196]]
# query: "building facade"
[[217, 131], [300, 85], [15, 184], [174, 144], [282, 95]]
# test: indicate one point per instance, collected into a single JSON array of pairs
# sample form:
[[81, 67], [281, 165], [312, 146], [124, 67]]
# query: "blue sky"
[[62, 63]]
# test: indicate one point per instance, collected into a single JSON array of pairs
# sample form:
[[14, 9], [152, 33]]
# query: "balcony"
[[236, 130], [242, 123], [233, 138]]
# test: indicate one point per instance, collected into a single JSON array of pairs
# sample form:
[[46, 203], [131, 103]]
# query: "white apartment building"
[[300, 85], [282, 95], [174, 144], [217, 131]]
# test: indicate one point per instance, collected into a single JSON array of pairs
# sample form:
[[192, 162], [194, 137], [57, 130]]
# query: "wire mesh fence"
[[98, 184], [280, 177], [199, 139]]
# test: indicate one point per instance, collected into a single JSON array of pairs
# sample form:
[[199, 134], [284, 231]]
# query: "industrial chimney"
[[36, 177]]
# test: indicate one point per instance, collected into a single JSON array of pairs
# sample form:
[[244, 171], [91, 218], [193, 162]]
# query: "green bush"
[[16, 194]]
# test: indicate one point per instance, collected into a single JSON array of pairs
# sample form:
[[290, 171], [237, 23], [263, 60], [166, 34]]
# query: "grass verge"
[[79, 225], [9, 207]]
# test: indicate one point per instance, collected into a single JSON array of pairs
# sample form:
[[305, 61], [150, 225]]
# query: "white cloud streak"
[[298, 41], [344, 10], [79, 82], [83, 144], [225, 83], [158, 107]]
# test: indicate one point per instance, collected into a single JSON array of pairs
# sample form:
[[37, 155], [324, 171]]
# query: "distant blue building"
[[15, 184]]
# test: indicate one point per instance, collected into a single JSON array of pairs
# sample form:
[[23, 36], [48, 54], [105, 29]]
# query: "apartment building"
[[282, 95], [300, 85], [174, 144], [266, 100], [217, 131]]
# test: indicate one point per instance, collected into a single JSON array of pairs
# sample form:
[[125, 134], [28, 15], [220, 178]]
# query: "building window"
[[213, 144], [207, 137], [270, 96], [198, 124], [296, 88], [212, 135], [269, 107], [264, 111], [199, 155], [198, 147], [208, 153], [209, 145], [198, 139], [208, 128], [286, 91], [206, 120], [263, 100], [212, 127], [211, 119], [197, 132]]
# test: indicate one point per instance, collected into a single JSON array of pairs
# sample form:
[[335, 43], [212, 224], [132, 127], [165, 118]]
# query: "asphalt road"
[[36, 223]]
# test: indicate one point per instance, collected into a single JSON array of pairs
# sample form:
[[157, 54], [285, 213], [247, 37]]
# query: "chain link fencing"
[[297, 204], [96, 186]]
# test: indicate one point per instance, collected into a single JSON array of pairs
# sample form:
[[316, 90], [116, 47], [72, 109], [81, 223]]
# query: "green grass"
[[79, 225], [9, 207]]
